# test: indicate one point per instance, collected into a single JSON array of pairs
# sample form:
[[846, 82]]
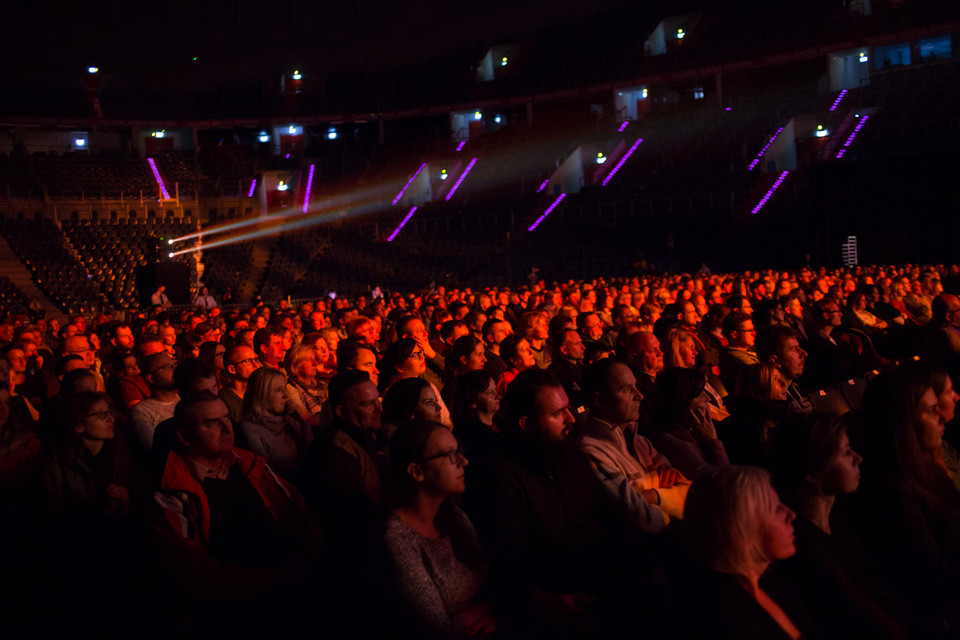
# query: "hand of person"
[[668, 477], [701, 425], [119, 499], [480, 618]]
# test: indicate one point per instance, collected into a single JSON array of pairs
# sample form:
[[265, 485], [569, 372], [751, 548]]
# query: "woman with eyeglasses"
[[427, 548], [403, 359], [88, 474]]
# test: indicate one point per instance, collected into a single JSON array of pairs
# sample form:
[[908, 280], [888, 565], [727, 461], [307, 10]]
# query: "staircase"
[[259, 261], [19, 275]]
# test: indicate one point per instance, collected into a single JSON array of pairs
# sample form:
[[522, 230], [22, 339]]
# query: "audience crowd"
[[673, 456]]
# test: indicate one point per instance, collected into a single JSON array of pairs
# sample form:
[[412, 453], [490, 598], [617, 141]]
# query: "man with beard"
[[149, 412], [240, 362]]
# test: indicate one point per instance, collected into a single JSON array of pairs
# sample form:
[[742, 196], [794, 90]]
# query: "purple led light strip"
[[853, 134], [547, 212], [463, 175], [156, 176], [776, 185], [543, 185], [836, 102], [306, 195], [623, 126], [460, 146], [409, 182], [405, 220], [764, 150], [629, 153], [253, 187]]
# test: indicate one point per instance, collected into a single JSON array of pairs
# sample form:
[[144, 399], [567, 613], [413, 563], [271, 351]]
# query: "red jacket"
[[185, 513]]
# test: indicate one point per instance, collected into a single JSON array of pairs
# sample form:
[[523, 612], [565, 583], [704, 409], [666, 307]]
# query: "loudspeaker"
[[175, 276]]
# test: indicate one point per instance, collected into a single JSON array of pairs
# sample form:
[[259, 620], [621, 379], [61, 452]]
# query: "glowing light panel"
[[156, 176], [253, 187], [764, 150], [769, 194], [283, 186], [852, 136], [625, 157], [405, 220], [461, 145], [93, 69], [836, 102], [549, 210], [409, 182], [456, 185], [306, 195], [623, 126], [80, 142]]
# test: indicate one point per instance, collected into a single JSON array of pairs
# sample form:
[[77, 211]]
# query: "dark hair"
[[71, 379], [183, 413], [462, 348], [734, 322], [803, 446], [75, 410], [262, 338], [348, 349], [677, 388], [188, 373], [395, 355], [343, 382], [596, 377], [408, 445], [401, 399], [521, 397], [469, 386], [510, 347], [772, 341]]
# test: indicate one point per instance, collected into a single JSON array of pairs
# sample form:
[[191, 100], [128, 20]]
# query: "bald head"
[[644, 353], [946, 309]]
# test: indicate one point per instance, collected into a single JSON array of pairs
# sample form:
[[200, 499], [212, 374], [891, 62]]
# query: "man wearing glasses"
[[739, 353], [79, 345], [149, 412], [241, 362]]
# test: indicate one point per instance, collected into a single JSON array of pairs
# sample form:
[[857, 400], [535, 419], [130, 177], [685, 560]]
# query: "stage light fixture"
[[80, 142], [821, 132], [477, 115], [296, 74], [863, 56], [680, 34], [264, 136], [496, 119], [503, 61], [331, 134], [601, 158], [93, 69], [443, 174], [283, 186]]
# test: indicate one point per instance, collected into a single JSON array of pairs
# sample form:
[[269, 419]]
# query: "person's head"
[[517, 353], [301, 363], [475, 393], [681, 349], [826, 313], [88, 419], [590, 326], [739, 331], [712, 321], [405, 359], [240, 362], [411, 326], [945, 309], [125, 364], [734, 522], [266, 394], [355, 399], [79, 345], [611, 391], [268, 344], [411, 398], [761, 380], [467, 354], [902, 413], [365, 329], [812, 457], [537, 405], [569, 346], [779, 345], [353, 354], [193, 375], [642, 351], [426, 458], [77, 380], [121, 337], [158, 372], [946, 395], [203, 427], [495, 330], [678, 391]]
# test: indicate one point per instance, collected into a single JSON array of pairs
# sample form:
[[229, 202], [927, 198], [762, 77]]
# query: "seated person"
[[734, 527], [426, 562], [641, 482], [270, 424]]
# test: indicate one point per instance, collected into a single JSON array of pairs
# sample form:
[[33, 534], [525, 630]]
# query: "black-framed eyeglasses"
[[247, 361], [454, 456], [99, 414]]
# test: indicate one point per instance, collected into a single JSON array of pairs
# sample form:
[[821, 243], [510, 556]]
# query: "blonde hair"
[[258, 391], [723, 516], [675, 338]]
